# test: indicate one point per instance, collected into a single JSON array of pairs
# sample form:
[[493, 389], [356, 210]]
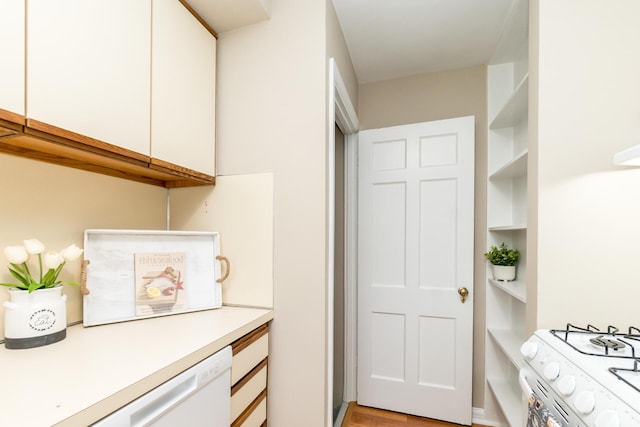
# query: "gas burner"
[[607, 343]]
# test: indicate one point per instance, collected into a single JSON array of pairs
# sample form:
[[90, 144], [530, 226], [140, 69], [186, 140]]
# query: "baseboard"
[[477, 417], [341, 414]]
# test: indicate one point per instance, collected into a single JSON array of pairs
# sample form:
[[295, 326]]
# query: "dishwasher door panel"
[[199, 396], [199, 409]]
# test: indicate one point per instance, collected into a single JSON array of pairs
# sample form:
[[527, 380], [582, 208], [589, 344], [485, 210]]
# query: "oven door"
[[544, 408]]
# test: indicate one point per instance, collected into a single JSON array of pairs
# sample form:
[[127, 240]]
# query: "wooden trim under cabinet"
[[43, 142], [62, 136], [11, 120], [6, 131], [195, 14], [186, 173]]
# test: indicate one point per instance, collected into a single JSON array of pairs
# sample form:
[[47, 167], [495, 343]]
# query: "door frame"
[[342, 113]]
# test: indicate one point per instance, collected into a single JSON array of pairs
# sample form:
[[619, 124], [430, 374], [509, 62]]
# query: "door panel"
[[388, 346], [437, 369], [389, 202], [415, 245], [437, 252]]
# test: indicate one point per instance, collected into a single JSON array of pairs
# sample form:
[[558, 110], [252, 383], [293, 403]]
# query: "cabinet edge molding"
[[11, 120], [73, 139], [199, 18], [177, 170], [40, 141]]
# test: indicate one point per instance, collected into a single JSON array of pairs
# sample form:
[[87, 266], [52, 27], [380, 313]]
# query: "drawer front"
[[242, 397], [248, 358], [256, 418]]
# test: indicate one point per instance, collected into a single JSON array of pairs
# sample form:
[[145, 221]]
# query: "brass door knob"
[[463, 292]]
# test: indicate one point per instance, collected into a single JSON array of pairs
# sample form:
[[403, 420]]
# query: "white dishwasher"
[[199, 396]]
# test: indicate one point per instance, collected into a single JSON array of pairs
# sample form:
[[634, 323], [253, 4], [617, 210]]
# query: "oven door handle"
[[524, 384]]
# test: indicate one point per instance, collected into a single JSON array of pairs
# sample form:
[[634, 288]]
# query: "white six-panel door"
[[415, 245]]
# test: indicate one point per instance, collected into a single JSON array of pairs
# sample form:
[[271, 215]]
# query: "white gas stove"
[[582, 377]]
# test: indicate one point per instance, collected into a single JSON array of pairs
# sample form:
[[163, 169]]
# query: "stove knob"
[[552, 370], [529, 350], [567, 385], [608, 418], [585, 402]]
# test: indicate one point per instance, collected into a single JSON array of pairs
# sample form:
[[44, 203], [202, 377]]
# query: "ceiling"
[[397, 38]]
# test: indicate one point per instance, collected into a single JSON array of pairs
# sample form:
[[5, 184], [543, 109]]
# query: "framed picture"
[[136, 274]]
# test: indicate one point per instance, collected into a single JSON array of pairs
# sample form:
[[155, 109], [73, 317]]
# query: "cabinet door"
[[12, 48], [88, 68], [183, 89]]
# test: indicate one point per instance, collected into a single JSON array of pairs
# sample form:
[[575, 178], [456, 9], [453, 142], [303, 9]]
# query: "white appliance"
[[582, 377], [198, 397]]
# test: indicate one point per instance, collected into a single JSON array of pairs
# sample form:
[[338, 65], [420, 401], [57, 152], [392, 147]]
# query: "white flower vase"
[[504, 273], [35, 319]]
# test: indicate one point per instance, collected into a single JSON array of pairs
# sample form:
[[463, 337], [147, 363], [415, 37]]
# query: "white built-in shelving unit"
[[508, 158]]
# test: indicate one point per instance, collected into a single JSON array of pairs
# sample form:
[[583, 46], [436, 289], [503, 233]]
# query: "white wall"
[[272, 117], [55, 204], [586, 71], [240, 209]]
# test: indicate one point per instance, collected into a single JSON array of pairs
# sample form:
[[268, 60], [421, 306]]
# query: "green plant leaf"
[[49, 278], [502, 255], [14, 285], [34, 286], [19, 276], [17, 267]]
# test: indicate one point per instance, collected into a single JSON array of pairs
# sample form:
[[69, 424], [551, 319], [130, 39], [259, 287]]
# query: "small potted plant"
[[504, 262], [36, 314]]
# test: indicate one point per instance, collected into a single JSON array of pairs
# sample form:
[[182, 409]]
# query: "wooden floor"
[[362, 416]]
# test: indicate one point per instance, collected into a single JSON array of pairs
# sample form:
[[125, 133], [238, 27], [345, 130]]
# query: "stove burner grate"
[[615, 371], [612, 341]]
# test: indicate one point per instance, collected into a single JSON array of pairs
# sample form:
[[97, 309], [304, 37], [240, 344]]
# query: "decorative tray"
[[137, 274]]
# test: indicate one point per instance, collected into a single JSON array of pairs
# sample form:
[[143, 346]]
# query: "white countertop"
[[96, 370]]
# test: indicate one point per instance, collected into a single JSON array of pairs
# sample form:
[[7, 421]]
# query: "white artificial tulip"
[[71, 253], [50, 263], [34, 246], [52, 259], [16, 254]]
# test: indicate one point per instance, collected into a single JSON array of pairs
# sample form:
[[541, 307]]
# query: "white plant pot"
[[504, 273], [35, 319]]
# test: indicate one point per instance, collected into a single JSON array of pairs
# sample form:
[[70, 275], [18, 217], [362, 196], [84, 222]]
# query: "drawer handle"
[[227, 270]]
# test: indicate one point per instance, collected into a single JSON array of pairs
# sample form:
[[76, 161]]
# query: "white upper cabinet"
[[183, 89], [12, 48], [89, 68]]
